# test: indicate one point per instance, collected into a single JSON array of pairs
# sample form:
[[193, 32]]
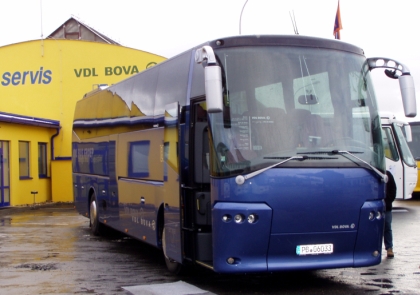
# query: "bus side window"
[[389, 145], [201, 154]]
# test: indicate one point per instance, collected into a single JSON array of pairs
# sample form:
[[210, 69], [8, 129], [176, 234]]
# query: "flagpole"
[[337, 23]]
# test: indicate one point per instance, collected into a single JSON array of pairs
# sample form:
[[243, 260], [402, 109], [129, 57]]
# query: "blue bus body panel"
[[365, 243], [298, 207], [80, 197], [246, 243], [90, 163]]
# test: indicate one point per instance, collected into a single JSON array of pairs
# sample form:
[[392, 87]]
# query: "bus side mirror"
[[212, 79], [408, 95], [406, 81], [408, 135], [213, 87]]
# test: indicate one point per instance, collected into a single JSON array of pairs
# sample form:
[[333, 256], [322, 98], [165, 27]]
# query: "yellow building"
[[40, 82]]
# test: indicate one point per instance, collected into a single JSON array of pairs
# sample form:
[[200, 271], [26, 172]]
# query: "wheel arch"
[[91, 193]]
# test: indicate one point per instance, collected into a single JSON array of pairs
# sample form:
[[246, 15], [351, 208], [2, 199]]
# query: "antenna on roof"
[[294, 22], [42, 30]]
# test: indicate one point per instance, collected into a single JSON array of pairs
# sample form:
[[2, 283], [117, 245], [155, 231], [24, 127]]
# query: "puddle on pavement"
[[52, 255], [382, 283], [35, 266], [5, 221], [368, 274]]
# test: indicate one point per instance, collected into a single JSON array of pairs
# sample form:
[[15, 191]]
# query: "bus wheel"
[[173, 266], [94, 218]]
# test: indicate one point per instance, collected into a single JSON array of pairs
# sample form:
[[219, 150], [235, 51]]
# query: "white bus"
[[399, 160], [415, 149]]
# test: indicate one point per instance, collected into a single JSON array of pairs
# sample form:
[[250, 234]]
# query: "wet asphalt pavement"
[[50, 250]]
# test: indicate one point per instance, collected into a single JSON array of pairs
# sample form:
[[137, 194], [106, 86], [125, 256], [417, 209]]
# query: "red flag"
[[337, 24]]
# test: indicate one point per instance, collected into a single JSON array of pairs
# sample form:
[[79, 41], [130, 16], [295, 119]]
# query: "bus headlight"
[[375, 214], [239, 218], [226, 218], [252, 218]]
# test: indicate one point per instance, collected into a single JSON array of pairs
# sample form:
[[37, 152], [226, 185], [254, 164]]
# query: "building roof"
[[26, 120], [74, 29]]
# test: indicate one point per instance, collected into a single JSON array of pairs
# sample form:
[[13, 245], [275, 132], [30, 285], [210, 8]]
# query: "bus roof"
[[284, 40]]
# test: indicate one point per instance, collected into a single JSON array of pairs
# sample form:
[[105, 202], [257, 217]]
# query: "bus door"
[[415, 150], [171, 238], [198, 217], [393, 159], [409, 178]]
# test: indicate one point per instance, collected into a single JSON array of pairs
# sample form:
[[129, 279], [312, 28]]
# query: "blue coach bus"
[[243, 154]]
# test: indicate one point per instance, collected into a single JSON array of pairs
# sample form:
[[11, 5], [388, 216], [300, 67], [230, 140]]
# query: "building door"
[[4, 174]]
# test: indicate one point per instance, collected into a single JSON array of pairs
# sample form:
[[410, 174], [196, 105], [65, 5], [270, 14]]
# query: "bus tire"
[[172, 266], [95, 226]]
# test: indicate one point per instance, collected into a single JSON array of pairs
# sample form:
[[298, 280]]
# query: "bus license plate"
[[314, 249]]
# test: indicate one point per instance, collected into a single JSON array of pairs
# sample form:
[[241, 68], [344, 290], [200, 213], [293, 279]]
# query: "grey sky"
[[167, 27]]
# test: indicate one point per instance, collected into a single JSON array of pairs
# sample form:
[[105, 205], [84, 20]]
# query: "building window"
[[42, 160], [24, 159]]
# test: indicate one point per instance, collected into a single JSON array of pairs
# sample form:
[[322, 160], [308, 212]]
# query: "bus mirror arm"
[[408, 92], [212, 79]]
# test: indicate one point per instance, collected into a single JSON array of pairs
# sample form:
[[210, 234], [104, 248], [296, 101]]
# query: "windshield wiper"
[[309, 158], [384, 177], [240, 179], [343, 153], [327, 152]]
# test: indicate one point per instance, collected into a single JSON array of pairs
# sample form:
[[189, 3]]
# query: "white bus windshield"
[[402, 143]]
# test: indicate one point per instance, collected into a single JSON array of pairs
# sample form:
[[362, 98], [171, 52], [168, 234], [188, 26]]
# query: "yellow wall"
[[44, 79], [21, 189], [60, 187]]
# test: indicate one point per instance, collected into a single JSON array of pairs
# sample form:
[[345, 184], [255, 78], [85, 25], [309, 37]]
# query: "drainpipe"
[[52, 143]]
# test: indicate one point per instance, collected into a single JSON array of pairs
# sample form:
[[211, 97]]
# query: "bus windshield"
[[415, 143], [282, 101], [405, 150]]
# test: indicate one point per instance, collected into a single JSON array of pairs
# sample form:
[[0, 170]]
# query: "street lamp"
[[240, 19]]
